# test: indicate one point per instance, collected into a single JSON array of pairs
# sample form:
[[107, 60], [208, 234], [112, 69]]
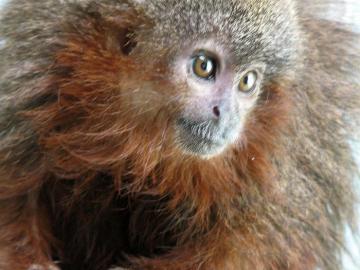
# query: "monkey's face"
[[218, 58], [217, 98], [207, 94]]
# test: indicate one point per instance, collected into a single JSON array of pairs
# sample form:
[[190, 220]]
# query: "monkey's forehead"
[[251, 28]]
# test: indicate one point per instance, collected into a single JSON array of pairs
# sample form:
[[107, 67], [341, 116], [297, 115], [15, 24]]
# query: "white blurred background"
[[350, 16]]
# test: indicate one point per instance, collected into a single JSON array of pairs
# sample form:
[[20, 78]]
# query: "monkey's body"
[[90, 172]]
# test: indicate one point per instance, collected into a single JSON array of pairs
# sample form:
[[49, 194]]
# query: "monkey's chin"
[[200, 146]]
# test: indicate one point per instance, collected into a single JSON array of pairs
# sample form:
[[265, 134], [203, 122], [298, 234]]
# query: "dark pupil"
[[204, 65], [246, 79]]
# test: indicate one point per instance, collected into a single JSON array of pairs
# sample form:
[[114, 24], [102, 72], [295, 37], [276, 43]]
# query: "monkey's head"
[[217, 56], [183, 76]]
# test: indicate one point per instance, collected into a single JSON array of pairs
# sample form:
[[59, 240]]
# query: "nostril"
[[216, 111]]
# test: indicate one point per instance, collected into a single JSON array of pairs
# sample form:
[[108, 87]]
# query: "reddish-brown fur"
[[93, 156]]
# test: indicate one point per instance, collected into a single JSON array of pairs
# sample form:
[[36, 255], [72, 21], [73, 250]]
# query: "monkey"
[[176, 135]]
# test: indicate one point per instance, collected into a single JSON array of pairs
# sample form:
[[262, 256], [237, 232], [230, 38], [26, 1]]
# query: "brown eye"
[[248, 82], [204, 67]]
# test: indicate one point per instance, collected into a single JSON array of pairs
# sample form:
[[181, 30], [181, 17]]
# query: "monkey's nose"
[[216, 111]]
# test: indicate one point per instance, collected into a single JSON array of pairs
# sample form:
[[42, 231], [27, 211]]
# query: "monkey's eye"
[[248, 82], [204, 67]]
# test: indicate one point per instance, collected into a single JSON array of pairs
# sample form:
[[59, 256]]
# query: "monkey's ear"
[[124, 27], [116, 26], [126, 40]]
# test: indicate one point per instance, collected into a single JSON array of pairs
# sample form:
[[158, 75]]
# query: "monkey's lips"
[[203, 138]]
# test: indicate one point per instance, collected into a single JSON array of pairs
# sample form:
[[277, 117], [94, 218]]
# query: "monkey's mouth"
[[200, 138]]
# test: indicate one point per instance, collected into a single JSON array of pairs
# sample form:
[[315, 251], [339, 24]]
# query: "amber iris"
[[248, 82], [204, 67]]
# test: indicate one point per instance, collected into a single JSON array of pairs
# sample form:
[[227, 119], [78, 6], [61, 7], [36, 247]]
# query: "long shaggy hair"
[[90, 175]]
